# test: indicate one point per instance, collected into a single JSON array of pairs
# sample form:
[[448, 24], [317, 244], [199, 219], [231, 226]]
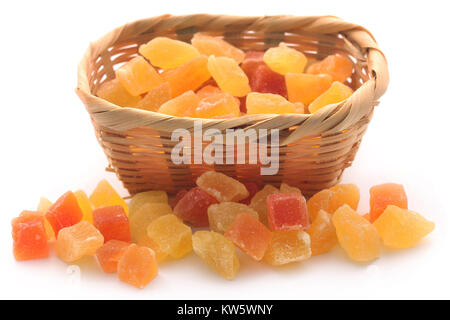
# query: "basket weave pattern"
[[314, 148]]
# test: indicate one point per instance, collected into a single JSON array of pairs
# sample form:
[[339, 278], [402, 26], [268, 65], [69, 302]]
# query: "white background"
[[48, 147]]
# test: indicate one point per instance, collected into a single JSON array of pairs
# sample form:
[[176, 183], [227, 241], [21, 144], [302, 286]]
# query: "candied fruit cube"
[[29, 237], [338, 67], [217, 251], [44, 205], [287, 247], [137, 76], [137, 266], [229, 76], [221, 104], [180, 194], [252, 188], [193, 207], [77, 241], [109, 254], [181, 106], [85, 205], [338, 92], [208, 91], [65, 212], [114, 92], [402, 228], [259, 202], [287, 211], [305, 88], [357, 236], [172, 235], [142, 198], [250, 235], [189, 76], [156, 97], [168, 53], [222, 187], [252, 60], [104, 195], [322, 233], [145, 241], [285, 188], [113, 223], [264, 80], [47, 226], [283, 59], [216, 46], [386, 194], [343, 194], [260, 103], [222, 215], [144, 215]]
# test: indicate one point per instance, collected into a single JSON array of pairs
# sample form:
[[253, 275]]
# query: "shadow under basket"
[[314, 149]]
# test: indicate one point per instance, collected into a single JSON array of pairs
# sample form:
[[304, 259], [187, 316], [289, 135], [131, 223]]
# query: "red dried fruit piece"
[[65, 212], [264, 80], [250, 235], [110, 253], [252, 188], [252, 60], [193, 207], [386, 194], [113, 223], [287, 211], [29, 237], [178, 197]]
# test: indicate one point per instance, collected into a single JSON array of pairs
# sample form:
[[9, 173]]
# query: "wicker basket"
[[314, 148]]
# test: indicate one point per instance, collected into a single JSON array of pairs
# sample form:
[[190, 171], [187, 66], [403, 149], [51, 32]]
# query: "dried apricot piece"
[[220, 104], [216, 46], [229, 76], [338, 92], [305, 88], [262, 103], [338, 67], [183, 105]]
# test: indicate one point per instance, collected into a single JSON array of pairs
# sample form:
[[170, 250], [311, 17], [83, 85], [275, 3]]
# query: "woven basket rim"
[[342, 115]]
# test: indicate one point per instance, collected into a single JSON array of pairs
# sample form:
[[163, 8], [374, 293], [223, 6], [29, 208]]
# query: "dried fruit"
[[322, 233], [113, 223], [386, 194], [229, 76], [216, 46], [338, 92], [283, 59], [222, 187], [261, 103], [29, 237], [287, 211], [287, 247], [305, 88], [137, 266], [221, 216]]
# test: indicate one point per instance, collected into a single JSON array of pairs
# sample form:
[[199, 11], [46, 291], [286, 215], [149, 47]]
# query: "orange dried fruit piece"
[[259, 202], [220, 104], [216, 251], [322, 233], [357, 236], [344, 194], [287, 247], [221, 216], [402, 228], [114, 92], [112, 222], [146, 241], [229, 76], [319, 201], [156, 97], [181, 106], [77, 241], [338, 92], [338, 67], [47, 226], [104, 195], [172, 235], [216, 46], [109, 254], [386, 194], [300, 108], [29, 237], [208, 91], [146, 213], [44, 204], [283, 59], [142, 198], [168, 53], [222, 187], [137, 266], [250, 235], [85, 205], [305, 88], [189, 76], [65, 212], [263, 103], [137, 76]]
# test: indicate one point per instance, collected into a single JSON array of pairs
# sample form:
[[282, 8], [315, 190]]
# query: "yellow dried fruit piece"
[[343, 194], [357, 236], [137, 76], [287, 247], [283, 59], [262, 103], [44, 205], [402, 228], [152, 196], [145, 241], [168, 53], [217, 251], [156, 97], [229, 76], [114, 92], [172, 235], [322, 233], [220, 104], [85, 205], [144, 215], [222, 187], [319, 201], [285, 188], [259, 202], [222, 215], [216, 46], [338, 92], [181, 106], [104, 195]]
